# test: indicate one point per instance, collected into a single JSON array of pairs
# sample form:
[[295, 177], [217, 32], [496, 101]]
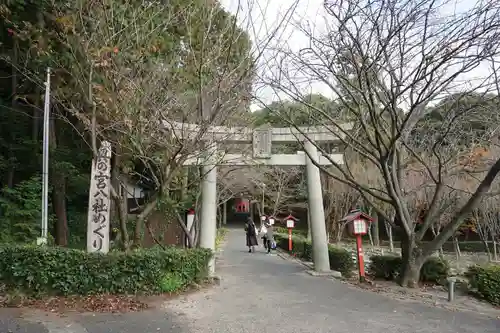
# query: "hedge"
[[388, 267], [485, 280], [340, 259], [60, 271], [221, 236], [296, 232]]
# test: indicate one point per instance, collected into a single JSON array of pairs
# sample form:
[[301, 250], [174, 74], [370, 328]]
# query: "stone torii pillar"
[[262, 139], [208, 229], [316, 210]]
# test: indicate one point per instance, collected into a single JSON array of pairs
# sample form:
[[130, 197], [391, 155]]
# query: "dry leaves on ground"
[[93, 303]]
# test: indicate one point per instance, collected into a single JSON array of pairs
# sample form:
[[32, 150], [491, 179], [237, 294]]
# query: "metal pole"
[[263, 198], [45, 167], [451, 289]]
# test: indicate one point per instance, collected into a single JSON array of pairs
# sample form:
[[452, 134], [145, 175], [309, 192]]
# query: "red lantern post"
[[290, 224], [358, 223]]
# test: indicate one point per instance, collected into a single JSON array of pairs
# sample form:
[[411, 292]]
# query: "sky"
[[260, 17]]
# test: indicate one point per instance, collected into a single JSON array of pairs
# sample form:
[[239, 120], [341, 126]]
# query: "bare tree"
[[487, 225], [340, 198], [387, 63], [275, 186], [130, 77], [281, 188]]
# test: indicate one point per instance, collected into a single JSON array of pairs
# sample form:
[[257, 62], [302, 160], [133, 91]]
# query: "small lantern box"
[[271, 220], [357, 222], [290, 221]]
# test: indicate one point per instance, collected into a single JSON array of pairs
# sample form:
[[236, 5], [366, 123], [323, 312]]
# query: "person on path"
[[263, 232], [251, 231], [269, 237]]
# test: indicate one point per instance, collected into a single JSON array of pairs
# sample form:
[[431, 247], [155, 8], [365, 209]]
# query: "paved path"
[[261, 293]]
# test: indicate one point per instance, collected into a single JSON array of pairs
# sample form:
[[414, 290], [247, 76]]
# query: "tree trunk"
[[376, 232], [59, 204], [121, 205], [15, 55], [457, 248], [10, 177], [435, 233], [119, 195], [487, 249], [139, 222], [219, 217], [58, 181], [224, 213], [38, 91], [370, 234], [388, 228], [412, 261], [495, 252], [340, 231], [410, 273], [308, 224], [35, 126]]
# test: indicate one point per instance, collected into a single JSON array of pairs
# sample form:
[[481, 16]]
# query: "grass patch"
[[221, 236]]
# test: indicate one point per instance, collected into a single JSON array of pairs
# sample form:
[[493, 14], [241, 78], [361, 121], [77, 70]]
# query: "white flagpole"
[[45, 170]]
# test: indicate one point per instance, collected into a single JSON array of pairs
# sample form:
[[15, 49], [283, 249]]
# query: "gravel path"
[[265, 293], [261, 293]]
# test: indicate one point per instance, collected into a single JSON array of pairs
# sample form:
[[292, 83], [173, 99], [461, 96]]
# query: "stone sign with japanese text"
[[99, 201], [262, 141]]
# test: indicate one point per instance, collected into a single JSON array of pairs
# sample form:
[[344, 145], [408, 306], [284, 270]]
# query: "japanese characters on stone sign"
[[99, 201], [262, 140]]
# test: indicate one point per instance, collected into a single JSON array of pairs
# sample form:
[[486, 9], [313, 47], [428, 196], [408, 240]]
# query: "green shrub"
[[388, 267], [485, 280], [340, 259], [59, 271], [171, 282], [434, 269], [385, 267]]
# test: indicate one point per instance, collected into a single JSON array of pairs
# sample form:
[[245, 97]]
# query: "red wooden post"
[[361, 261], [290, 224]]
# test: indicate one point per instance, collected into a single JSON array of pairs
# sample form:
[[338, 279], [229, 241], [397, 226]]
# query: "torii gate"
[[262, 139]]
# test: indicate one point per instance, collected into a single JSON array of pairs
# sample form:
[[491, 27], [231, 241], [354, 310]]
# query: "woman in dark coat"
[[251, 231]]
